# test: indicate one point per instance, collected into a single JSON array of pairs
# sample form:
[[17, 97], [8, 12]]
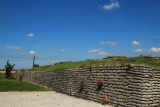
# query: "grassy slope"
[[66, 65], [15, 85]]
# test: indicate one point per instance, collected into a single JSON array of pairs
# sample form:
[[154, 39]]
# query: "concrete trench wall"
[[127, 86]]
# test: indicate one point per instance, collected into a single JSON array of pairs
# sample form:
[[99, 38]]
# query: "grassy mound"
[[80, 64]]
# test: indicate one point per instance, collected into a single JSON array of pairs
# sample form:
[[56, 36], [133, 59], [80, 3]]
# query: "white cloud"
[[94, 50], [102, 43], [114, 4], [108, 42], [103, 53], [99, 52], [153, 49], [32, 52], [62, 50], [13, 47], [111, 43], [136, 43], [30, 35], [138, 50]]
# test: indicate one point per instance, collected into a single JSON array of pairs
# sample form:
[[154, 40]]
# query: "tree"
[[8, 68], [35, 65], [33, 61]]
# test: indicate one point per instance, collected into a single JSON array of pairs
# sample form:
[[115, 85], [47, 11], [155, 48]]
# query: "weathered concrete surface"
[[43, 99]]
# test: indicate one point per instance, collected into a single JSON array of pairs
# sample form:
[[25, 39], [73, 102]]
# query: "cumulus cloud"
[[99, 52], [94, 50], [13, 47], [136, 43], [62, 50], [102, 43], [154, 50], [108, 42], [30, 35], [32, 52], [112, 5], [111, 43], [103, 53], [138, 50]]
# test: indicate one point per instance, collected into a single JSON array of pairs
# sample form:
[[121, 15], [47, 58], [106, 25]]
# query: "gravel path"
[[43, 99]]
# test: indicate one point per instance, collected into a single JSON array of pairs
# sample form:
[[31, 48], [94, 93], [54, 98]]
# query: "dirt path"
[[43, 99]]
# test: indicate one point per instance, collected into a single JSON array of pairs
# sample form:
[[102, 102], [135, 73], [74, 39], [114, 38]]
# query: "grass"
[[15, 85], [81, 64]]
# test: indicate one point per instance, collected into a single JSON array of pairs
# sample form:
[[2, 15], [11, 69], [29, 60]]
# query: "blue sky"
[[75, 30]]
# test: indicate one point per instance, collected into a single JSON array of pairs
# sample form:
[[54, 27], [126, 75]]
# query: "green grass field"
[[80, 64], [15, 85]]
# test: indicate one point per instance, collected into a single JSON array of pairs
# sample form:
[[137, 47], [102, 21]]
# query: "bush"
[[103, 100], [8, 68], [81, 85], [99, 84]]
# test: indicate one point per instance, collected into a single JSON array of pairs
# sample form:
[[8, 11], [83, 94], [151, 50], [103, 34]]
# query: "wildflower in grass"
[[99, 84]]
